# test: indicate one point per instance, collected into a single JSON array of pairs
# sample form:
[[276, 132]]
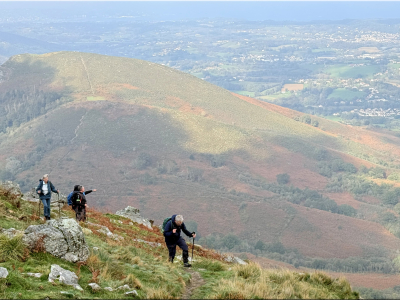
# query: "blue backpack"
[[69, 198]]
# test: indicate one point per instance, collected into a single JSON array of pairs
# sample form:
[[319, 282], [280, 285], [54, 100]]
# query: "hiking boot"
[[171, 260], [187, 265]]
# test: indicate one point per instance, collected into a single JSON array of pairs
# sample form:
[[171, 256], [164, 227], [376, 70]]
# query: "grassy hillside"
[[164, 141], [141, 266]]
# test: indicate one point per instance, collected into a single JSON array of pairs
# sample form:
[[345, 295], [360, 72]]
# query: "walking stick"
[[39, 208], [59, 209], [193, 247]]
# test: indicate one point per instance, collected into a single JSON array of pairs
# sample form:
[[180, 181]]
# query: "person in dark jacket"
[[172, 234], [79, 203], [44, 190]]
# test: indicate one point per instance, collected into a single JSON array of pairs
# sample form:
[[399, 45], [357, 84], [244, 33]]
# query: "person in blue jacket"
[[44, 190], [172, 234]]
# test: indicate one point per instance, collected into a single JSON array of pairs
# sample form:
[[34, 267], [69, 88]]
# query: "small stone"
[[37, 275], [123, 287], [95, 249], [94, 286], [130, 223], [64, 276], [134, 293], [3, 272], [108, 289], [78, 287]]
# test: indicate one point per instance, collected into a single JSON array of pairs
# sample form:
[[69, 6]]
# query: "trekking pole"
[[193, 247], [39, 209], [59, 208]]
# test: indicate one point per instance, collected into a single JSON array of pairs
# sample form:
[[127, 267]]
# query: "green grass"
[[142, 267], [245, 93], [345, 71], [95, 98], [346, 94]]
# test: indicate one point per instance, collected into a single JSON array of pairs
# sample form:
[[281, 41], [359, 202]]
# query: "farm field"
[[346, 94]]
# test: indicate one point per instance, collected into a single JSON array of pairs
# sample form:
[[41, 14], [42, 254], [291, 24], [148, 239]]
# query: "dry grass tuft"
[[158, 293], [132, 281], [251, 281], [12, 248]]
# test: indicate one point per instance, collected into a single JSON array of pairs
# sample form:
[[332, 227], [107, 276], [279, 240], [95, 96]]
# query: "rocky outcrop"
[[134, 214], [64, 276], [12, 187], [62, 238], [11, 232], [235, 260], [32, 196]]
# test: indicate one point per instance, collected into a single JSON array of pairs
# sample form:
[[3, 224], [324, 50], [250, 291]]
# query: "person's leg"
[[45, 208], [185, 251], [172, 252], [48, 207]]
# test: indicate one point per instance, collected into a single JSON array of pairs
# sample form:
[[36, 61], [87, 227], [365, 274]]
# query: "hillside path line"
[[87, 74], [195, 282]]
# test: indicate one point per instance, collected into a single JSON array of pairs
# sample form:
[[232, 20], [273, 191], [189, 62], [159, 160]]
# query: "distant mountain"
[[153, 137]]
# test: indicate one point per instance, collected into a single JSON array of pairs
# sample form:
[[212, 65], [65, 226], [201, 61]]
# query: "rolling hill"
[[164, 141]]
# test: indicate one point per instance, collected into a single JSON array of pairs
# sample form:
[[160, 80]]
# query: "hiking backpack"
[[166, 220], [69, 198]]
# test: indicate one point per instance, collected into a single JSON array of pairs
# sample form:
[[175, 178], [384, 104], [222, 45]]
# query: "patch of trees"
[[307, 119], [359, 186], [20, 106], [306, 197]]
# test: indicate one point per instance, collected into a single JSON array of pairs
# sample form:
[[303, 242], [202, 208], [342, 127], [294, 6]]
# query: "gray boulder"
[[64, 276], [3, 272], [62, 238], [134, 214], [110, 289], [123, 287]]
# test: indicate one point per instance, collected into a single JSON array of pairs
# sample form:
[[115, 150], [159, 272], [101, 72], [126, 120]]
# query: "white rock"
[[64, 276], [3, 272], [108, 289], [123, 287], [94, 286], [37, 275], [235, 260], [132, 293], [152, 244]]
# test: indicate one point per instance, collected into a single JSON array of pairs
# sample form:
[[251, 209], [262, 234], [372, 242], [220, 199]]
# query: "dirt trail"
[[196, 282]]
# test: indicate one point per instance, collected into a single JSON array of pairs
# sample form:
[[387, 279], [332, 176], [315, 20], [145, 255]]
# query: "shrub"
[[12, 248], [283, 178]]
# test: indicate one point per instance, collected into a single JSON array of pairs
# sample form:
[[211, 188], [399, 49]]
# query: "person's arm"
[[53, 189], [88, 192], [189, 234], [39, 188], [168, 229]]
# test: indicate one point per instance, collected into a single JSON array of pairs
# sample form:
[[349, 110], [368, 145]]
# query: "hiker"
[[172, 234], [79, 204], [44, 190], [77, 189]]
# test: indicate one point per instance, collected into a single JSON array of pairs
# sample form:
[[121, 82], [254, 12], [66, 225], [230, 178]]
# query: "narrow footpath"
[[195, 282]]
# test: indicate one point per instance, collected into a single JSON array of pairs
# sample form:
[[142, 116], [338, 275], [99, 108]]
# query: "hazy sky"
[[245, 10]]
